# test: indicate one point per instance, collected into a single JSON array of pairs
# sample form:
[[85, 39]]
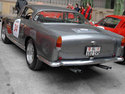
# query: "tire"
[[122, 62], [31, 57], [3, 35], [123, 57]]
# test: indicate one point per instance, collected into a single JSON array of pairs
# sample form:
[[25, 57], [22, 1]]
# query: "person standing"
[[77, 7], [70, 6], [20, 4], [82, 10], [88, 12]]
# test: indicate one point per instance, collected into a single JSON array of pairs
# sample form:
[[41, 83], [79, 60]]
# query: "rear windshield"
[[60, 17], [109, 22]]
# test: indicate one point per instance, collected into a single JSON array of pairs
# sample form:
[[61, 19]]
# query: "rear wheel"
[[122, 62], [31, 56], [3, 35], [124, 56]]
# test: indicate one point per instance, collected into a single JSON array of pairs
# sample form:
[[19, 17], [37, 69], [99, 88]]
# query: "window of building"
[[104, 4]]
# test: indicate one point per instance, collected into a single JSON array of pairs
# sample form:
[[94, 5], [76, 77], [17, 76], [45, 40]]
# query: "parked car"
[[60, 37], [113, 23]]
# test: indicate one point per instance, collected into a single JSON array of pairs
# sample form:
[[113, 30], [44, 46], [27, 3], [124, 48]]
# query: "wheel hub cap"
[[30, 53], [3, 33]]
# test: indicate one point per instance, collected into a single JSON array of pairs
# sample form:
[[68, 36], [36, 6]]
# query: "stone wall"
[[99, 13], [6, 8], [99, 3]]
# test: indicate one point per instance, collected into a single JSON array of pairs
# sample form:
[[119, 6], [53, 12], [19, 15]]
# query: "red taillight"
[[113, 55], [123, 42], [59, 42], [60, 58]]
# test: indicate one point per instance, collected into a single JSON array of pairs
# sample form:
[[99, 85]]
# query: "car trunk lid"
[[70, 28], [77, 37], [75, 47]]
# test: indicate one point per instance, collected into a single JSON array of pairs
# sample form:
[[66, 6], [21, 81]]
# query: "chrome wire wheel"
[[30, 53], [3, 35], [31, 56]]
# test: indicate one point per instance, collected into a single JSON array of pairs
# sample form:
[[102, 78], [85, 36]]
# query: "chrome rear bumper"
[[80, 62]]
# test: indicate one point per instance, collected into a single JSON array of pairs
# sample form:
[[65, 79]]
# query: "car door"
[[9, 25], [13, 27], [23, 25]]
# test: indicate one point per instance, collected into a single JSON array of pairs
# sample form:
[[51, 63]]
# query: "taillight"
[[59, 42], [123, 42], [60, 58]]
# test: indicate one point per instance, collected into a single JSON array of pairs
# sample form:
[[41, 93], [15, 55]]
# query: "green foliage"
[[119, 7], [84, 2]]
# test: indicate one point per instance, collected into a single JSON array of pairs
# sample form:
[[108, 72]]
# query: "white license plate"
[[93, 51]]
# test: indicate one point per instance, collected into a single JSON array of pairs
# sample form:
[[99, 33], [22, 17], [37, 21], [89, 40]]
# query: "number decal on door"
[[16, 27]]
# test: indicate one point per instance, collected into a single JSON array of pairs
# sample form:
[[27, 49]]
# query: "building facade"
[[101, 8]]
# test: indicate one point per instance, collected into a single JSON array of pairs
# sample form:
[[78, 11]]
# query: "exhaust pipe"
[[104, 67]]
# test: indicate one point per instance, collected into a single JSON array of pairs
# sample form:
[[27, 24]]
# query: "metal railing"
[[58, 2]]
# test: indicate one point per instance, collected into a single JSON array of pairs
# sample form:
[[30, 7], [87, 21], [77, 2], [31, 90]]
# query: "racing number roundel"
[[16, 27]]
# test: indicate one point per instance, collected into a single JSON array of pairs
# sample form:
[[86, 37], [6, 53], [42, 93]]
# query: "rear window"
[[109, 22], [60, 17]]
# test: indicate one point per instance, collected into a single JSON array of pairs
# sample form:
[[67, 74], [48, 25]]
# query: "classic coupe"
[[113, 23], [60, 37]]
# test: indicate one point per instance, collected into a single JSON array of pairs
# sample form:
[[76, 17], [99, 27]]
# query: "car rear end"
[[78, 43], [86, 49]]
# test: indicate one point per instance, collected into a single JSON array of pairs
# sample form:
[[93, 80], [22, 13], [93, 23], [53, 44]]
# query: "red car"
[[113, 23]]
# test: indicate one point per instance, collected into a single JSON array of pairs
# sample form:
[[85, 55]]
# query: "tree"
[[84, 2], [119, 7]]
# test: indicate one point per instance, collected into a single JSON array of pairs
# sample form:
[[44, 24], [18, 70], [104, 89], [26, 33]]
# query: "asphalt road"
[[17, 78]]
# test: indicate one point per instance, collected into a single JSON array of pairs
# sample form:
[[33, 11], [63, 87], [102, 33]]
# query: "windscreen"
[[60, 17], [109, 22]]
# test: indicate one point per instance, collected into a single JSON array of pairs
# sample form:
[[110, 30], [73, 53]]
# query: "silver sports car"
[[60, 37]]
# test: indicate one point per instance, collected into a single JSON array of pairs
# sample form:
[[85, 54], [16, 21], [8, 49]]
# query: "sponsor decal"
[[9, 28], [84, 30], [16, 27], [80, 30]]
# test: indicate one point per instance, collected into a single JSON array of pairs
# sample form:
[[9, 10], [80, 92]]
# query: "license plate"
[[93, 51]]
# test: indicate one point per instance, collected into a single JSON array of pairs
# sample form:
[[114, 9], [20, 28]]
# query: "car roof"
[[117, 16], [48, 7]]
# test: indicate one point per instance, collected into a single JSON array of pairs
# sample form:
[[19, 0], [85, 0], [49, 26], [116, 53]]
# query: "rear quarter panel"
[[44, 40]]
